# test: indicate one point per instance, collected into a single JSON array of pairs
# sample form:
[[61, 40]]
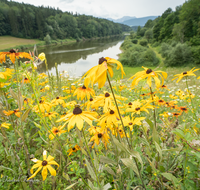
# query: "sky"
[[114, 9]]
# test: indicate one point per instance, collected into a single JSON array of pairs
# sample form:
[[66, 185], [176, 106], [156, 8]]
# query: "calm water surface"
[[79, 57]]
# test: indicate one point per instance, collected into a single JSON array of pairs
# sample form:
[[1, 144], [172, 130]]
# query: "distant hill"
[[138, 21]]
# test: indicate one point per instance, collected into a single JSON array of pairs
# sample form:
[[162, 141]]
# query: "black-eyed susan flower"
[[77, 117], [130, 122], [83, 92], [184, 74], [106, 100], [100, 136], [26, 80], [149, 74], [111, 117], [74, 149], [56, 131], [44, 165], [58, 100], [5, 125], [176, 114], [12, 54], [43, 106], [93, 129], [51, 115], [183, 109], [99, 73]]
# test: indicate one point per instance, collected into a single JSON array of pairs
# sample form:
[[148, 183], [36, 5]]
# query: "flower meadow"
[[59, 132]]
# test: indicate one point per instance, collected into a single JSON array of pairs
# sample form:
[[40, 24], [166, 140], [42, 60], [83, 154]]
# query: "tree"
[[148, 34]]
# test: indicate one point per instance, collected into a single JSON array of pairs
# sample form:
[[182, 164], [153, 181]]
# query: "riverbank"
[[22, 44]]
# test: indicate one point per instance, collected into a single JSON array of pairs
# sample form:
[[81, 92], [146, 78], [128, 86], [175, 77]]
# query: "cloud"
[[66, 1]]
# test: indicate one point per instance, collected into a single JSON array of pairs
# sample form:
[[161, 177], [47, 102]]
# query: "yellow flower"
[[148, 73], [43, 106], [184, 74], [133, 121], [41, 56], [58, 100], [83, 92], [56, 131], [100, 135], [5, 125], [6, 73], [106, 100], [111, 117], [44, 165], [12, 54], [51, 114], [74, 149], [99, 73], [78, 117]]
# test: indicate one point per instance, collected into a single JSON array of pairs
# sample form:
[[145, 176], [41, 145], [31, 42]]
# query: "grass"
[[8, 42]]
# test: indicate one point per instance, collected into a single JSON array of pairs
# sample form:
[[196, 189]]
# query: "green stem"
[[118, 111], [125, 130], [154, 110], [91, 157]]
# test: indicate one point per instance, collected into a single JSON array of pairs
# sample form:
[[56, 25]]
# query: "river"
[[77, 58]]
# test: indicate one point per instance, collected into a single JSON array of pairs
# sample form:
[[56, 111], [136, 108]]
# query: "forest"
[[28, 21], [175, 34]]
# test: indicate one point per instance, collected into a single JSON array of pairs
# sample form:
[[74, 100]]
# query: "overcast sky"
[[110, 8]]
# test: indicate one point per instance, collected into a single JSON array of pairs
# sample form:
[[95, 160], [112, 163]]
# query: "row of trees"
[[28, 21], [181, 25]]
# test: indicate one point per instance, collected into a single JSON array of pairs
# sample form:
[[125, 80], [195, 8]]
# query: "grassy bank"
[[8, 42]]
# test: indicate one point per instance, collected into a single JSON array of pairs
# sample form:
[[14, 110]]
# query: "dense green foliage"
[[137, 54], [177, 33], [28, 21]]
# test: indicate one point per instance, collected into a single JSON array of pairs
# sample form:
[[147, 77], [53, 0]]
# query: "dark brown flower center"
[[160, 101], [112, 112], [107, 94], [184, 109], [44, 163], [130, 104], [100, 135], [25, 78], [185, 73], [57, 97], [164, 86], [120, 130], [101, 60], [137, 109], [74, 149], [148, 71], [77, 110], [130, 123], [12, 51], [83, 87], [91, 99], [56, 131]]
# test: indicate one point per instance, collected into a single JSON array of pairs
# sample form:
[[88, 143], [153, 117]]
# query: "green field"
[[11, 42]]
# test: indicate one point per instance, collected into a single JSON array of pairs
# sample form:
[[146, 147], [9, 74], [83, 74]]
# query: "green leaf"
[[72, 185], [159, 150], [171, 178], [5, 168], [131, 165], [90, 170], [107, 160], [96, 163], [137, 155], [107, 186], [25, 115], [109, 170], [13, 94]]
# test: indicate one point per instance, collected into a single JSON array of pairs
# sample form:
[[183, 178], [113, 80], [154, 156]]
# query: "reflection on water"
[[79, 57]]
